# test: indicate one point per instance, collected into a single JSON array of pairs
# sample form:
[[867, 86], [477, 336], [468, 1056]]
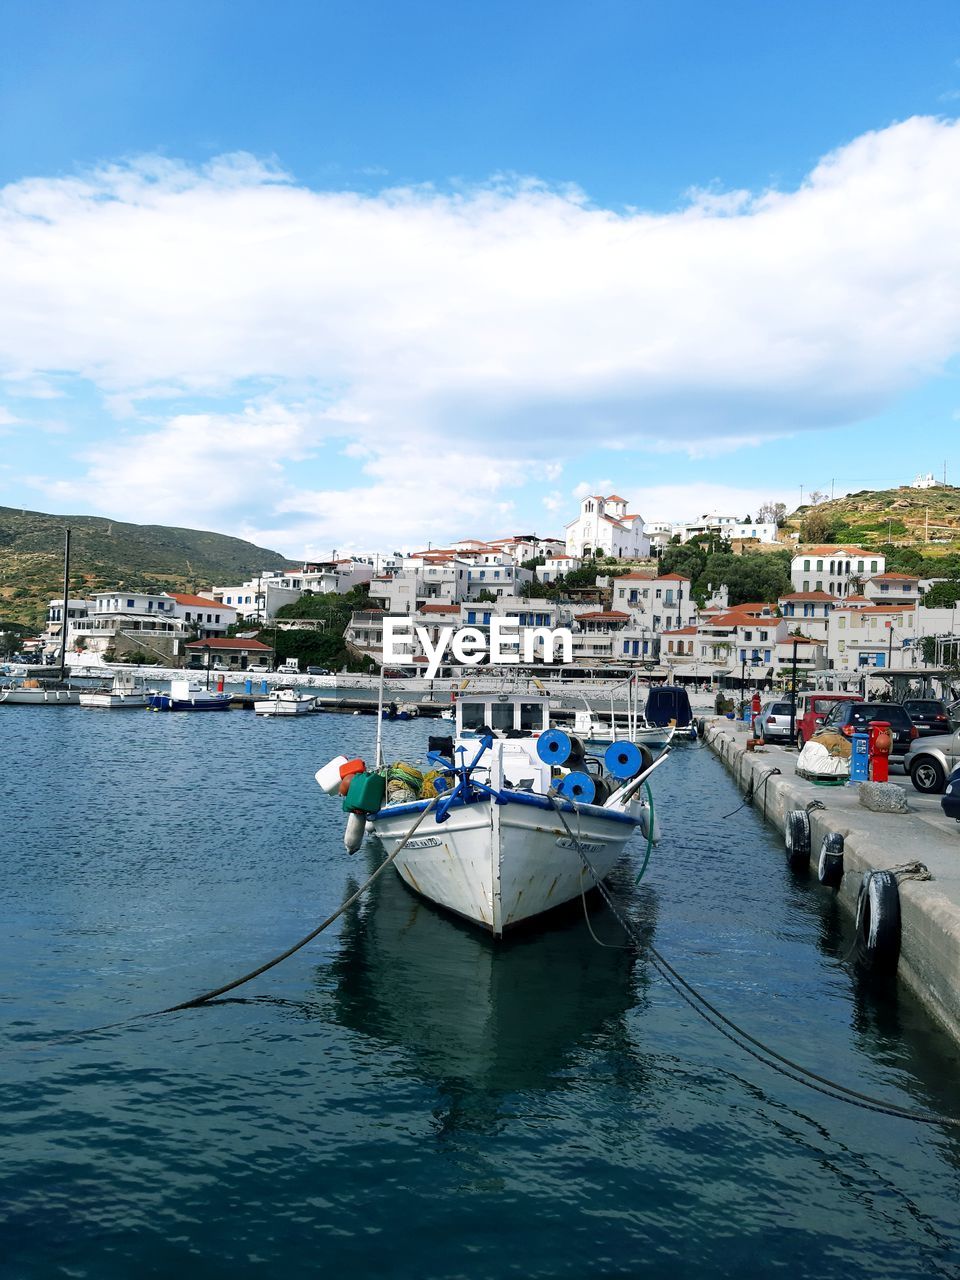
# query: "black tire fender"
[[878, 923], [830, 864], [796, 836]]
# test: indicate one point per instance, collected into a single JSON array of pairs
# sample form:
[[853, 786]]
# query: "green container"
[[366, 793]]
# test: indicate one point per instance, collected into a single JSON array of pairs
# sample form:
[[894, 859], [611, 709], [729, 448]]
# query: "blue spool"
[[623, 760], [554, 746], [578, 786], [860, 757], [248, 685]]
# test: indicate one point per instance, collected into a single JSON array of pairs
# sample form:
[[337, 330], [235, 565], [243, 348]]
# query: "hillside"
[[109, 553], [903, 516]]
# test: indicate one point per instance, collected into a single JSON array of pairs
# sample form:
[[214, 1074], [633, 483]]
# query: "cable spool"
[[830, 864], [625, 760], [557, 747], [577, 786]]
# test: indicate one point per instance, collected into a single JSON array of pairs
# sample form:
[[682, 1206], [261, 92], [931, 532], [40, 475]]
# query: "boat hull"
[[215, 702], [271, 707], [40, 697], [498, 864], [115, 701]]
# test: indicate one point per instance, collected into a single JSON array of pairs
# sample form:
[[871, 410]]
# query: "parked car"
[[930, 715], [950, 804], [317, 671], [849, 718], [773, 722], [813, 708], [257, 667], [930, 761]]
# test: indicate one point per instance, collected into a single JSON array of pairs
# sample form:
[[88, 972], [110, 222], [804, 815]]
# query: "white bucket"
[[329, 776]]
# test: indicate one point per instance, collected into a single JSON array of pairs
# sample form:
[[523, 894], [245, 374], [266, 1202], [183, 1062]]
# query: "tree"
[[818, 526], [485, 597], [772, 513], [942, 595], [817, 497]]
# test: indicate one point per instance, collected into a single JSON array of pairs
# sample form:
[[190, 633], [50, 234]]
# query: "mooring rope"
[[207, 996], [736, 1034]]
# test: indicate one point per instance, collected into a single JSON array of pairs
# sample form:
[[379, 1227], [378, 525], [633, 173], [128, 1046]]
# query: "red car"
[[813, 709]]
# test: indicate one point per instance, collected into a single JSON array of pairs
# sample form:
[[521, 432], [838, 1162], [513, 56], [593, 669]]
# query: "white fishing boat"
[[523, 823], [37, 692], [596, 732], [125, 692], [285, 700], [189, 695]]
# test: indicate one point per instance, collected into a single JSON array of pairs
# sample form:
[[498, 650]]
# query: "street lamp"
[[206, 650], [793, 694]]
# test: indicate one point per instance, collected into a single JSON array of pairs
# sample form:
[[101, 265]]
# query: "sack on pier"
[[815, 761]]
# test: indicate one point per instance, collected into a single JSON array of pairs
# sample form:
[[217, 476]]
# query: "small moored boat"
[[189, 695], [126, 691], [284, 700]]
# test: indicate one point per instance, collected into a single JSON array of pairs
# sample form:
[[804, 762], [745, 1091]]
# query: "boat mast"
[[66, 601]]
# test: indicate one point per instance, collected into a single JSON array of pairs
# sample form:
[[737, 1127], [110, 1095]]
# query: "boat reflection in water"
[[483, 1017]]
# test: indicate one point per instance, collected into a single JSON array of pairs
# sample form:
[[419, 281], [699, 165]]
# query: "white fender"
[[353, 832]]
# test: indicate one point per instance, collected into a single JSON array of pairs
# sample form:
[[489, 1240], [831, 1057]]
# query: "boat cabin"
[[513, 715]]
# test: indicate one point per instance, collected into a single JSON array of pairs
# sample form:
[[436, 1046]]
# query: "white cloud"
[[504, 308], [449, 340]]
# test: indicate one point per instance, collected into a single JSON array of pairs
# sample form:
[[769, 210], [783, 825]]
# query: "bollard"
[[881, 741], [859, 758]]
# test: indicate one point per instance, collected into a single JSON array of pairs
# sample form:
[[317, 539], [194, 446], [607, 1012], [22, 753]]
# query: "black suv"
[[849, 718], [928, 714]]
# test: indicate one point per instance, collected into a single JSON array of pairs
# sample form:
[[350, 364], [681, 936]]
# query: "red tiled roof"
[[835, 551], [229, 642], [614, 497], [610, 614], [438, 608], [681, 631], [205, 602], [899, 577]]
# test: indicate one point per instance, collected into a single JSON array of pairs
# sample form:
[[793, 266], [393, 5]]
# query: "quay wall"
[[930, 909]]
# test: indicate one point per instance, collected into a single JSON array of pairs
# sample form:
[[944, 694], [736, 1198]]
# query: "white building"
[[834, 569], [809, 611], [262, 596], [658, 603], [76, 611], [555, 567], [604, 527], [924, 482], [729, 527]]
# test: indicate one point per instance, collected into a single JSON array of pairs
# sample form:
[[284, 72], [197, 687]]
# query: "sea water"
[[404, 1097]]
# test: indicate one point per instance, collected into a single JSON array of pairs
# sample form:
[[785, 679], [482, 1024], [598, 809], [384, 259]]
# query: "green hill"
[[928, 518], [109, 553]]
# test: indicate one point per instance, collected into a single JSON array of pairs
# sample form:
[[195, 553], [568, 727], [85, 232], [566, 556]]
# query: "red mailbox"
[[881, 744]]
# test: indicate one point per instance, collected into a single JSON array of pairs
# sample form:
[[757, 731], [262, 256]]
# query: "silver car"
[[930, 761], [773, 722]]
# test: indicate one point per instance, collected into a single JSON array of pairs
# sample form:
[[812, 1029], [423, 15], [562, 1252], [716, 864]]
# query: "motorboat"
[[285, 700], [37, 692], [512, 820], [403, 711], [669, 704], [189, 695], [597, 732], [125, 691]]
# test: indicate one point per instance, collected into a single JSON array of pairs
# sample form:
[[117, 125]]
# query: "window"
[[471, 615], [806, 566], [129, 604], [806, 584]]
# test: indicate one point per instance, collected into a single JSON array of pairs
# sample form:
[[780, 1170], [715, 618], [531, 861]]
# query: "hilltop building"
[[604, 527]]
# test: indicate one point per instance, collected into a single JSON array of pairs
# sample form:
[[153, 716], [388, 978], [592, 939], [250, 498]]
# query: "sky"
[[367, 276]]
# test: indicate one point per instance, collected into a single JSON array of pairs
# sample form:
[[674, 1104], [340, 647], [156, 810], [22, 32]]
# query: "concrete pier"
[[930, 909]]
